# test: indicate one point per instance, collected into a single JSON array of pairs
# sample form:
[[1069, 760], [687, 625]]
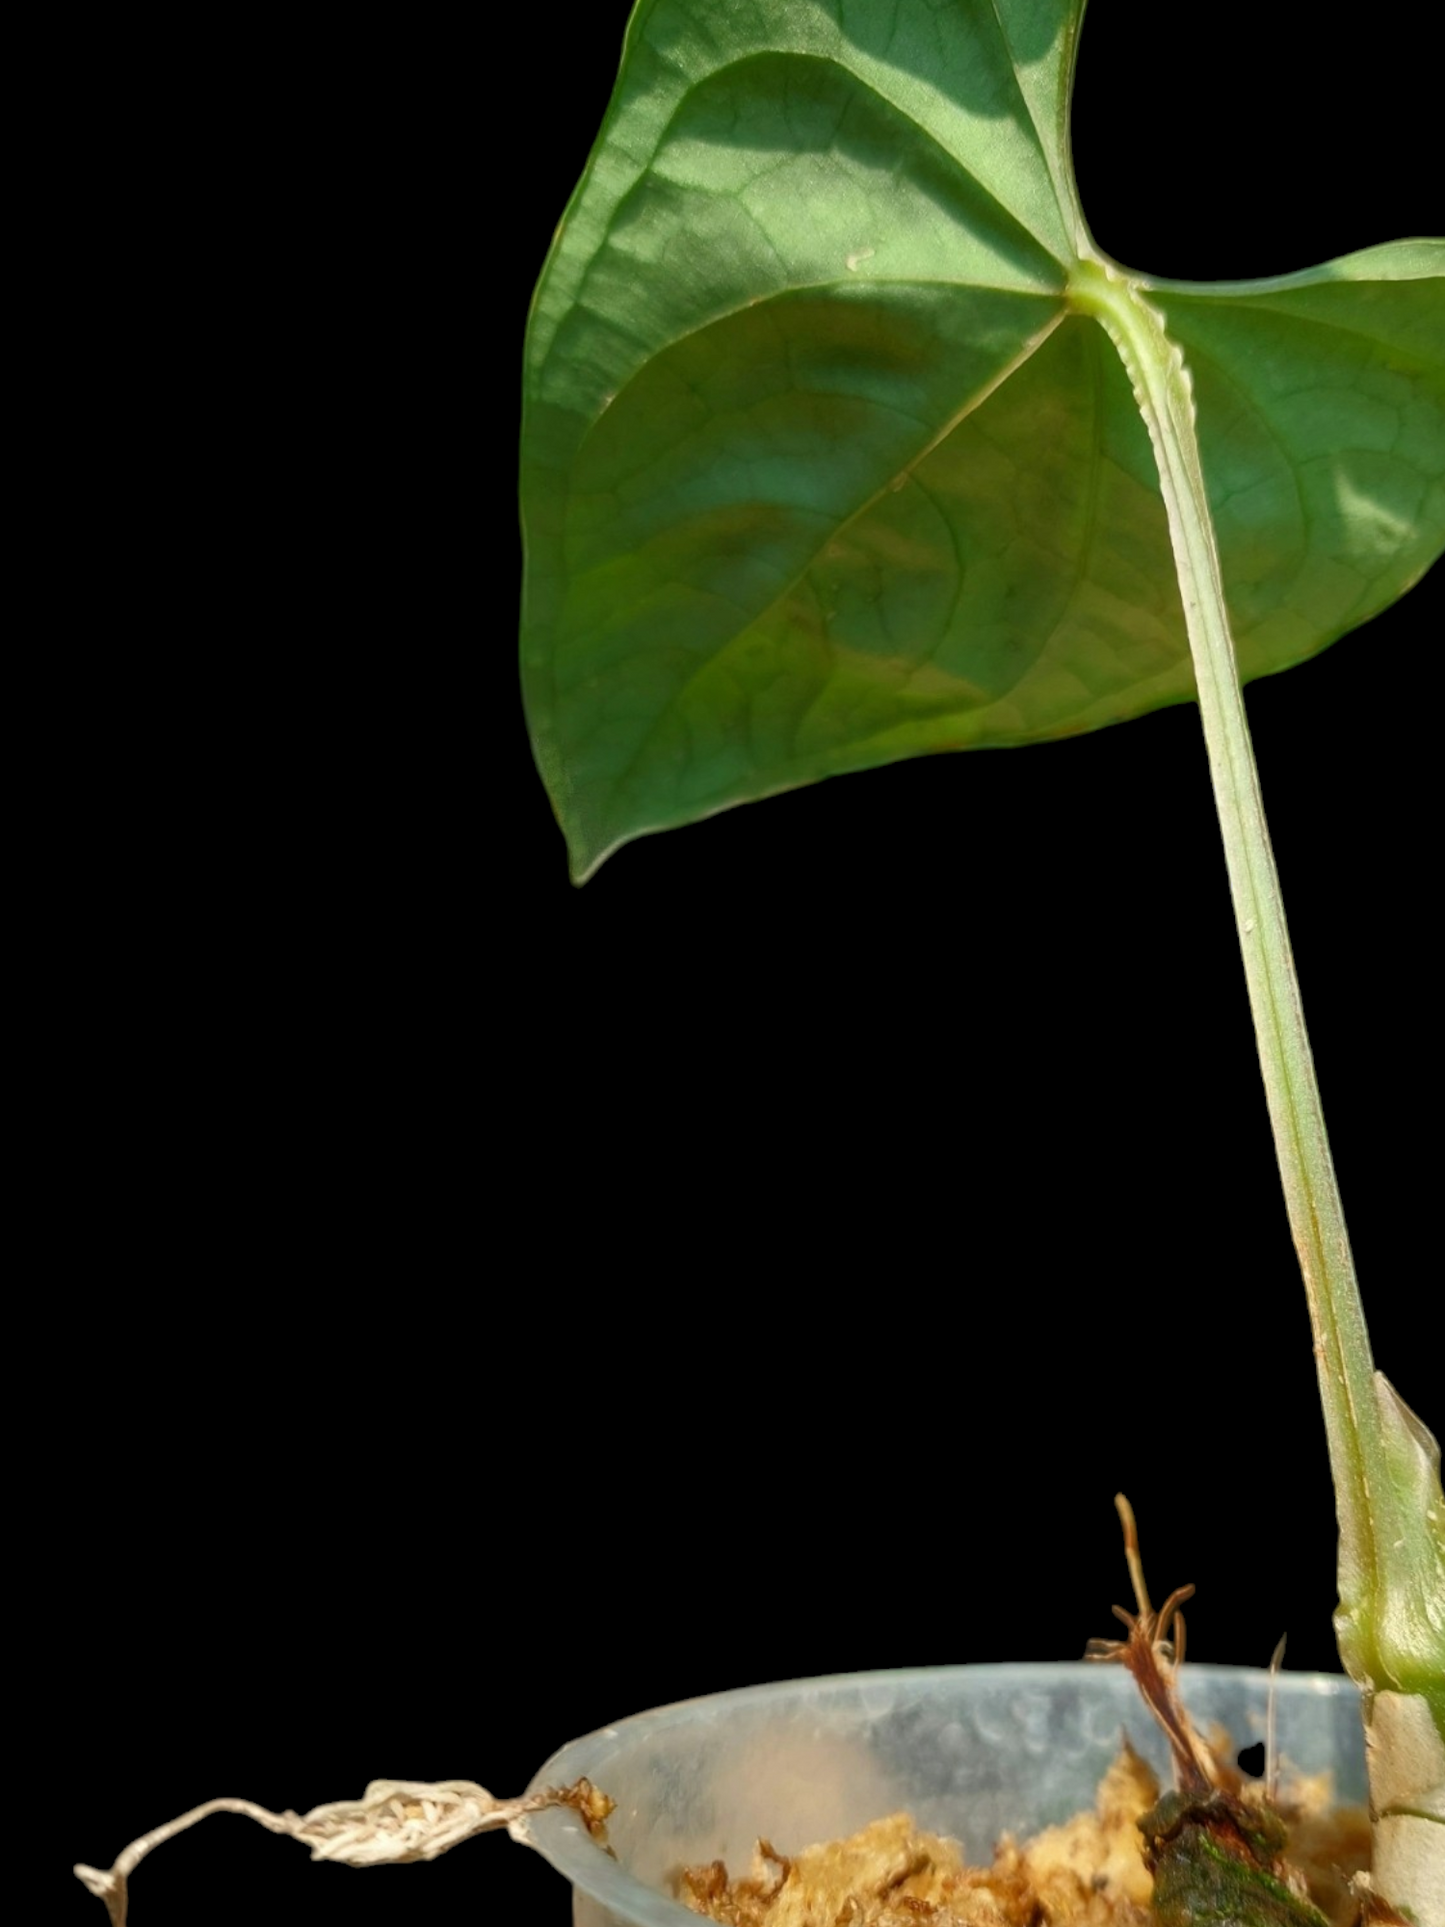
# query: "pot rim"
[[558, 1835]]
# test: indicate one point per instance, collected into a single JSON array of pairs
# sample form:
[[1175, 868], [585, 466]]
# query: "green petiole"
[[1391, 1618]]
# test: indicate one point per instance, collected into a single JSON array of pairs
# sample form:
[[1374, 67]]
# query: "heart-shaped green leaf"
[[823, 466]]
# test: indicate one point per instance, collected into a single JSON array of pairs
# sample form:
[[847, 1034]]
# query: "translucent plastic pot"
[[970, 1751]]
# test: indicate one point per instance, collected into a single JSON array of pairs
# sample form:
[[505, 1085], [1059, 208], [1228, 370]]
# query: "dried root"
[[394, 1820]]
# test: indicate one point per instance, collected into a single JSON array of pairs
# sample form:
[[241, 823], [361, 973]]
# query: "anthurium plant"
[[844, 442]]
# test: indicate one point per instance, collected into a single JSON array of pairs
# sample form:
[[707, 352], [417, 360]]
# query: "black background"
[[516, 1306]]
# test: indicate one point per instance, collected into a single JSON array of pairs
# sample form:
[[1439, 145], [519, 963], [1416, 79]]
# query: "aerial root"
[[1153, 1653], [394, 1820]]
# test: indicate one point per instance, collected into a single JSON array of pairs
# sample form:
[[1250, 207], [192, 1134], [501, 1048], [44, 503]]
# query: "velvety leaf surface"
[[820, 469], [1321, 405]]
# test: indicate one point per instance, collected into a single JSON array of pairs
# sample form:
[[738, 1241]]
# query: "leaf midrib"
[[961, 414]]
